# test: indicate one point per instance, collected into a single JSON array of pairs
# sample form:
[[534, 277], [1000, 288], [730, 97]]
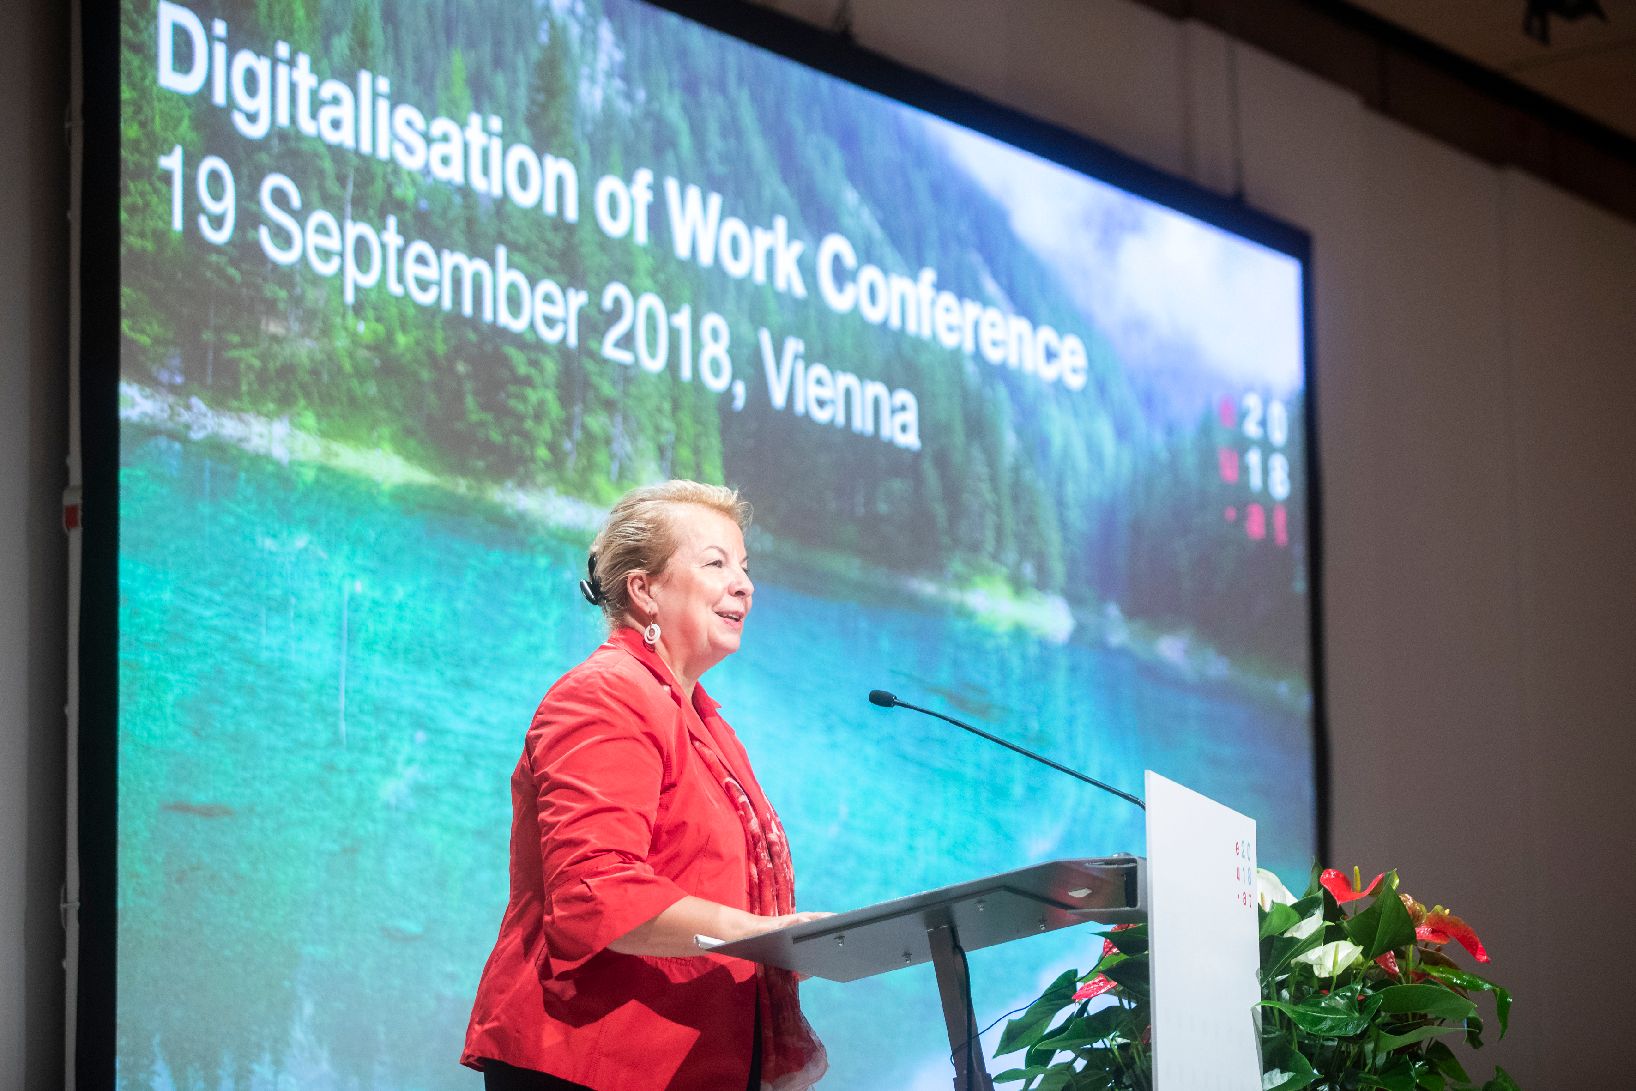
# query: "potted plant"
[[1358, 991]]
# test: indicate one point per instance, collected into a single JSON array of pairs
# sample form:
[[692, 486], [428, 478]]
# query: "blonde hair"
[[640, 536]]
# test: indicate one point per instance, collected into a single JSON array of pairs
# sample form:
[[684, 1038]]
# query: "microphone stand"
[[886, 700], [953, 974]]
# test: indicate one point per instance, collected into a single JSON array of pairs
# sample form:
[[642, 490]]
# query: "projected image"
[[412, 291]]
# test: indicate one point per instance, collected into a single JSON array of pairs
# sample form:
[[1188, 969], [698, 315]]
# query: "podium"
[[940, 926], [1196, 890]]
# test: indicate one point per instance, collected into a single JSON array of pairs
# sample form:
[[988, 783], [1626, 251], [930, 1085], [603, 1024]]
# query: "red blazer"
[[614, 818]]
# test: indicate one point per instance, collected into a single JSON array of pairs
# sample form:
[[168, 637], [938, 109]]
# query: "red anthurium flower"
[[1388, 962], [1096, 986], [1341, 887], [1442, 926]]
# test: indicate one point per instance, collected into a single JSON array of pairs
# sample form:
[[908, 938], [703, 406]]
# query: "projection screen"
[[410, 292]]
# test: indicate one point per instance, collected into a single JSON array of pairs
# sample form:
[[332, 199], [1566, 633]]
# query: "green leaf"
[[1429, 1079], [1311, 904], [1502, 1081], [1017, 1075], [1284, 951], [1474, 1032], [1443, 1059], [1384, 925], [1461, 979], [1437, 1001], [1027, 1029], [1108, 962], [1057, 1079], [1037, 1056], [1131, 975], [1301, 1074], [1340, 1014], [1076, 1033], [1130, 941], [1389, 1042], [1278, 919], [1113, 1020], [1321, 1019], [1399, 1077], [1102, 1068], [1313, 889]]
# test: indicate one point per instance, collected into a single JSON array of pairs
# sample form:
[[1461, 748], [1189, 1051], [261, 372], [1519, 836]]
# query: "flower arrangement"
[[1357, 992]]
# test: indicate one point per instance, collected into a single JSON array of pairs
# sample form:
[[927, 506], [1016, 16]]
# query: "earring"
[[650, 635]]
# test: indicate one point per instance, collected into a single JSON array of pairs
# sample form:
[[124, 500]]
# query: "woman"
[[637, 826]]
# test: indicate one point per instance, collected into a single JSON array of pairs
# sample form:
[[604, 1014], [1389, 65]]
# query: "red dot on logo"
[[1232, 514]]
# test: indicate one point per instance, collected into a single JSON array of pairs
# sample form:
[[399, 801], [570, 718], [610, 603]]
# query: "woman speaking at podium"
[[637, 826]]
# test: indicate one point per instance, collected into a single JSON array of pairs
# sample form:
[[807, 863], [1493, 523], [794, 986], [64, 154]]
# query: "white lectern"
[[1196, 889]]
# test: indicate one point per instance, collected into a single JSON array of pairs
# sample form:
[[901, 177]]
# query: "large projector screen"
[[411, 290]]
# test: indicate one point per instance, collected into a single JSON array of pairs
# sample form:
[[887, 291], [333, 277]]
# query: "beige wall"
[[1477, 417]]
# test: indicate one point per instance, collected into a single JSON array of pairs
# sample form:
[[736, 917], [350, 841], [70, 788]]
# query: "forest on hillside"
[[1085, 494]]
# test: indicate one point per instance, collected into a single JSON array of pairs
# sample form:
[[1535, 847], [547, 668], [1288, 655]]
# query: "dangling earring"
[[650, 635]]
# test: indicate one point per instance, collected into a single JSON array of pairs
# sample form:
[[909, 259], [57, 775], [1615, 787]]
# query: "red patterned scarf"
[[792, 1057]]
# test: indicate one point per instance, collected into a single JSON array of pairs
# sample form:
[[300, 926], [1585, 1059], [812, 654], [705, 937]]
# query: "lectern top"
[[981, 912]]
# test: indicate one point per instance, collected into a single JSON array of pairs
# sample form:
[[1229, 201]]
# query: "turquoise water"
[[324, 685]]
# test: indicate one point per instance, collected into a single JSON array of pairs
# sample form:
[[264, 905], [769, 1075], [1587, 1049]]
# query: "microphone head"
[[882, 698]]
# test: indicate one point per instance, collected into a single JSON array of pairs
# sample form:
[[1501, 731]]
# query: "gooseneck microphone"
[[886, 700]]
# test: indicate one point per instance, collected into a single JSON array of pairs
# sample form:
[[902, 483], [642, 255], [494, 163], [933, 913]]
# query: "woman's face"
[[702, 597]]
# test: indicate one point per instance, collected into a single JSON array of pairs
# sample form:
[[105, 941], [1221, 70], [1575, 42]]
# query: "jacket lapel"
[[701, 719]]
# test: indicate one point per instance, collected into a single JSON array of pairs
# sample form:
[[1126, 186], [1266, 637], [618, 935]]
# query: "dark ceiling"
[[1589, 65]]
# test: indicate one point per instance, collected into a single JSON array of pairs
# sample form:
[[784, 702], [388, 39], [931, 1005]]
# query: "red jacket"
[[614, 818]]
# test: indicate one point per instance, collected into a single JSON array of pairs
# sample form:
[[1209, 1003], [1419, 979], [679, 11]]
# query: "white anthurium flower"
[[1329, 959], [1270, 890], [1305, 928]]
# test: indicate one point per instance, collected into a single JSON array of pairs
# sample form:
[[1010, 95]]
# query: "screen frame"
[[93, 996]]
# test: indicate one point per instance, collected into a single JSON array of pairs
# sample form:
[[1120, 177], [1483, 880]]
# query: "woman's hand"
[[763, 925], [760, 925], [670, 934]]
